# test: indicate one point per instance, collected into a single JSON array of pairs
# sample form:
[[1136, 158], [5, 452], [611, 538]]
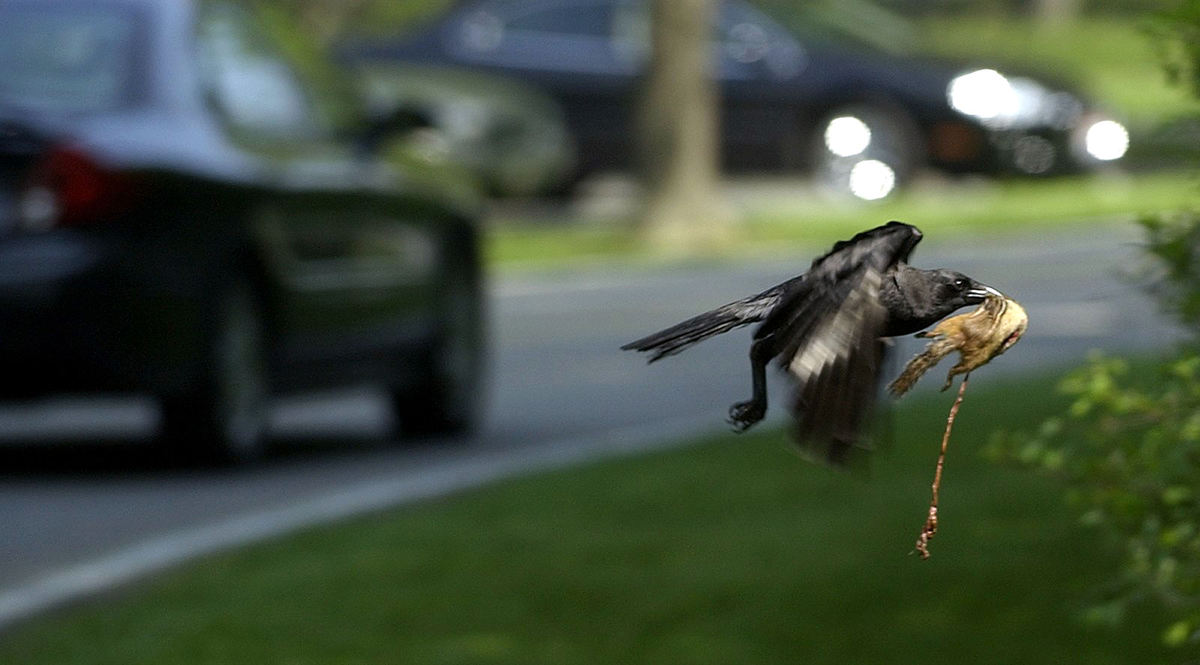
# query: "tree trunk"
[[678, 131], [1056, 12]]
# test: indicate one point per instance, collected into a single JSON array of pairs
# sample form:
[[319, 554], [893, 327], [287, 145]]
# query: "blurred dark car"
[[511, 136], [861, 118], [186, 211]]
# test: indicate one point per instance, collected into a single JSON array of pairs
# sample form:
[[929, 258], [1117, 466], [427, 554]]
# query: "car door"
[[349, 259], [757, 64]]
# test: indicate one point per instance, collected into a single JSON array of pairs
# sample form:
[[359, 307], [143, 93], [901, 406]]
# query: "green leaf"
[[1178, 633], [1176, 495]]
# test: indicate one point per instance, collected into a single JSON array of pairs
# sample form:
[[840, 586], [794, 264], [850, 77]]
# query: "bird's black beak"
[[979, 292]]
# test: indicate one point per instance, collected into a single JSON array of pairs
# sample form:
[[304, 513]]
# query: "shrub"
[[1128, 449]]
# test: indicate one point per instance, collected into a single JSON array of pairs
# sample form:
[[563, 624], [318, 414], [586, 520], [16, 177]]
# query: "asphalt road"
[[77, 517]]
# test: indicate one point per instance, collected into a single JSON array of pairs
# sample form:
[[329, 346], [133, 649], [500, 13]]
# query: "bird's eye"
[[960, 282]]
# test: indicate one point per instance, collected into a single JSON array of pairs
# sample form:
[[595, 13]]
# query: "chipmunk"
[[978, 336]]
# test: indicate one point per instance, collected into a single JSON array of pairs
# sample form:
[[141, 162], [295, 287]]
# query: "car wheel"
[[448, 398], [865, 151], [223, 417]]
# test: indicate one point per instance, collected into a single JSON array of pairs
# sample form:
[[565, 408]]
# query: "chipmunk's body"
[[978, 336]]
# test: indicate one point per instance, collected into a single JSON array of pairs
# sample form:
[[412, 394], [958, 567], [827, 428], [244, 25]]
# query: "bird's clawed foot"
[[744, 415]]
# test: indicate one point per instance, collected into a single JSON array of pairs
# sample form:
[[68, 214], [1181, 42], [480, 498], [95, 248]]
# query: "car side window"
[[581, 19], [248, 79], [74, 59], [569, 36], [746, 44], [749, 44]]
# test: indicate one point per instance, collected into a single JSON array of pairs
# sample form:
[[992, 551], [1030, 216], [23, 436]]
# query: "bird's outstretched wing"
[[669, 341], [827, 333]]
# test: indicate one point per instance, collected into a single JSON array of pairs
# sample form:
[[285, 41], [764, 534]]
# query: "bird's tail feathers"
[[669, 341], [736, 314]]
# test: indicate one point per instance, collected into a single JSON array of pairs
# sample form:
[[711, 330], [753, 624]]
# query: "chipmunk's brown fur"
[[978, 336]]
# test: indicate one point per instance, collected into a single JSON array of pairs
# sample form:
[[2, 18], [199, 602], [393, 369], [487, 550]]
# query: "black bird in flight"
[[827, 329]]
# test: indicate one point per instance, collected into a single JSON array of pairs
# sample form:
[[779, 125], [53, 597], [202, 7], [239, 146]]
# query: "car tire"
[[885, 161], [448, 397], [222, 418]]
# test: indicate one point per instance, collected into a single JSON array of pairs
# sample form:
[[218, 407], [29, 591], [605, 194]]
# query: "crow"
[[827, 328]]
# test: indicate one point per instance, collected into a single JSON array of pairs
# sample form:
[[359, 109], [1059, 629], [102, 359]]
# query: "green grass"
[[944, 210], [730, 551]]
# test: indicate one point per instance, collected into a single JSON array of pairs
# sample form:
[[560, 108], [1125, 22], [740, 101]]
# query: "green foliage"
[[390, 17], [1128, 449], [1174, 240], [332, 93], [1176, 35], [1130, 456]]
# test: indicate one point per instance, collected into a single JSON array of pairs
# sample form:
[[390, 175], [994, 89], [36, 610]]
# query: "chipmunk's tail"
[[920, 364]]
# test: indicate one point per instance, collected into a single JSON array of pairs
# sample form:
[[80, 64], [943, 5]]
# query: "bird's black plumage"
[[826, 329]]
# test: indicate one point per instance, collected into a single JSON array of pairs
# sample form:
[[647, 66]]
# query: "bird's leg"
[[745, 414]]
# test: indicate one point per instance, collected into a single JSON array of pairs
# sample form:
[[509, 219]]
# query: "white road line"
[[155, 554]]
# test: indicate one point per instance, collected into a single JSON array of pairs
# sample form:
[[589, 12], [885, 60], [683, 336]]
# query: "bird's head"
[[957, 290]]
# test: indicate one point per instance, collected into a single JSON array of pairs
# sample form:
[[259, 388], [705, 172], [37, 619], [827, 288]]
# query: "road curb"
[[466, 471]]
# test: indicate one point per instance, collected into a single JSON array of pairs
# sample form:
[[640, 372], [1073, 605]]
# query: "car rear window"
[[67, 57]]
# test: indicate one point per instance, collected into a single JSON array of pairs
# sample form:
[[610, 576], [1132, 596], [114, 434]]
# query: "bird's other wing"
[[742, 312], [827, 336], [827, 282], [834, 360]]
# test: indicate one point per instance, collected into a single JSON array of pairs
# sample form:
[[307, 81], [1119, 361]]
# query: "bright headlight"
[[1106, 140], [984, 93], [846, 136], [871, 180], [1010, 103]]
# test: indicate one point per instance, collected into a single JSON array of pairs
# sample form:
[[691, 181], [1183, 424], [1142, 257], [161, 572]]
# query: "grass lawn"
[[730, 551], [772, 220]]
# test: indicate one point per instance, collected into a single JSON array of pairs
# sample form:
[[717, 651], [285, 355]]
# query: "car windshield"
[[66, 57]]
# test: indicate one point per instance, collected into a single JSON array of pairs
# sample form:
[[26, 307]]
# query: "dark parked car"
[[188, 212], [862, 118]]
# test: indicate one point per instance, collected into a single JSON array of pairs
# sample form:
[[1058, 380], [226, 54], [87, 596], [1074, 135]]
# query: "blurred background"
[[310, 314]]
